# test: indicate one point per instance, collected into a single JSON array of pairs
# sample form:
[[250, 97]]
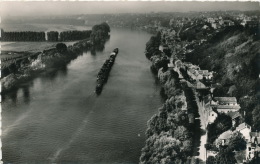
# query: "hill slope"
[[234, 55]]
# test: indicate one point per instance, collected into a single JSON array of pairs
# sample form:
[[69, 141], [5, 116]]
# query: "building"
[[206, 74], [222, 139], [252, 24], [245, 129], [211, 115], [255, 138], [229, 23], [225, 104], [235, 116]]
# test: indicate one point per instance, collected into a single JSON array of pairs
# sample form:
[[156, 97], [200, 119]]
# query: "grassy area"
[[13, 51], [29, 46], [42, 27]]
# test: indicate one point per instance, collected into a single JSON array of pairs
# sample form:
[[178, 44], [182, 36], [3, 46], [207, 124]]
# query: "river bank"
[[23, 69], [41, 62], [61, 113], [170, 133]]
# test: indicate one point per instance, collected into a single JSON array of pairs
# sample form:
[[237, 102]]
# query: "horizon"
[[67, 8]]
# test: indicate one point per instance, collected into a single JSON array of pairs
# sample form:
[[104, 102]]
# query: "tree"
[[236, 141], [225, 156], [222, 123], [210, 160], [181, 133], [61, 47]]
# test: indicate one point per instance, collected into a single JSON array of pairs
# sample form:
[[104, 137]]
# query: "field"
[[35, 46], [13, 51], [42, 27], [29, 46]]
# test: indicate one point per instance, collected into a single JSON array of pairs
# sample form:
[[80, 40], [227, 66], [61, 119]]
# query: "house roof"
[[203, 71], [225, 135], [226, 99], [234, 115], [255, 134], [257, 139], [227, 106], [170, 65], [207, 99], [243, 126], [191, 70]]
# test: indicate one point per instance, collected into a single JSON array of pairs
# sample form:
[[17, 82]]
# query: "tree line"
[[52, 36], [74, 35], [22, 36]]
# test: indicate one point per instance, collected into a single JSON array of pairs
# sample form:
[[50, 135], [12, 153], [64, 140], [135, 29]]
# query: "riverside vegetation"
[[24, 69], [233, 54], [170, 132]]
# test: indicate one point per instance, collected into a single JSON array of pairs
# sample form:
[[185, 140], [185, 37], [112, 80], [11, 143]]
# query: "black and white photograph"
[[130, 82]]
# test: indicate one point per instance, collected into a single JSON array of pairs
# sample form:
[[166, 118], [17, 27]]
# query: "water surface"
[[58, 118]]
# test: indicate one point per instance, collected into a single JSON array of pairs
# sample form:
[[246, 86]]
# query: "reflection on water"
[[58, 118], [26, 94]]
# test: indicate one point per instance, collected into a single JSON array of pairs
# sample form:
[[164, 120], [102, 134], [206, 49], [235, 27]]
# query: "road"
[[203, 125]]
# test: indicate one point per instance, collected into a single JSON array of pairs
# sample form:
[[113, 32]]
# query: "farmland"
[[29, 46], [42, 27], [13, 51]]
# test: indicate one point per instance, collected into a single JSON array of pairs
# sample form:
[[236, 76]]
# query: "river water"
[[58, 118]]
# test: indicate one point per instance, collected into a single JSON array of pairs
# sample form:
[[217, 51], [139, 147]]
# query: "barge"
[[103, 74]]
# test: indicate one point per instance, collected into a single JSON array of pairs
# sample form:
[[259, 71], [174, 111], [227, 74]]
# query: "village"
[[210, 107], [202, 83]]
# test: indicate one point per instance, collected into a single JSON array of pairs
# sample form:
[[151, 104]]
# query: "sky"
[[47, 8]]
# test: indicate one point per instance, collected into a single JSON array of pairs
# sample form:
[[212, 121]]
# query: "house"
[[215, 25], [170, 64], [205, 27], [225, 104], [235, 116], [206, 74], [199, 85], [211, 116], [252, 24], [229, 23], [253, 145], [210, 20], [222, 139], [221, 22], [245, 129], [178, 64], [255, 138]]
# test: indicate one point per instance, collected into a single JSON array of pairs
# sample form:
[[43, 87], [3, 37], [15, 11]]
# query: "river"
[[58, 118]]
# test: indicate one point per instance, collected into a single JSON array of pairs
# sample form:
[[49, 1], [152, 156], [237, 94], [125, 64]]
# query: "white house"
[[245, 129], [225, 104]]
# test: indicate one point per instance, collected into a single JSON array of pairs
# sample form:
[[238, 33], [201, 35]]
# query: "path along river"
[[58, 118]]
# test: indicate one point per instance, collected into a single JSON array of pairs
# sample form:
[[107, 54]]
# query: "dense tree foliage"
[[255, 160], [169, 132], [222, 123], [152, 46], [22, 36], [236, 142], [225, 156], [100, 33], [61, 47], [233, 54], [53, 36], [74, 35]]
